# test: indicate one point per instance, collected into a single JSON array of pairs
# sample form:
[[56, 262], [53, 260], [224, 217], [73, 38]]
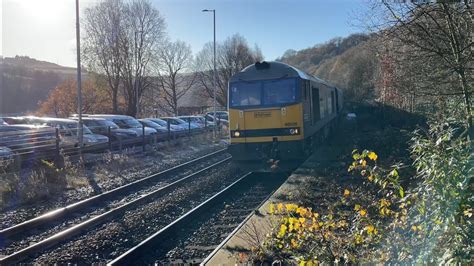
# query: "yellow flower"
[[282, 231], [384, 203], [346, 193], [342, 223], [371, 178], [280, 207], [468, 213], [294, 244], [291, 207], [271, 209], [373, 156], [363, 163], [356, 207], [302, 220], [297, 226], [301, 211], [414, 228], [363, 213], [370, 229]]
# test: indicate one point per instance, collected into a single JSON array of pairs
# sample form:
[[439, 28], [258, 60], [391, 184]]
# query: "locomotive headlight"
[[236, 134]]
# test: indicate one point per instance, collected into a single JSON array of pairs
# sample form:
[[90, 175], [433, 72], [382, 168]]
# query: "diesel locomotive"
[[278, 112]]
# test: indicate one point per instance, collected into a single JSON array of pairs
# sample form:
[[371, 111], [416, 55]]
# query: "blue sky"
[[44, 29]]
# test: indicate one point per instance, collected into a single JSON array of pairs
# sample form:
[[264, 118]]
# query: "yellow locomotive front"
[[266, 113]]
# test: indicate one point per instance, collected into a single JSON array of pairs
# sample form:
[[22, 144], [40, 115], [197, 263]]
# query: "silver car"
[[127, 122], [68, 131]]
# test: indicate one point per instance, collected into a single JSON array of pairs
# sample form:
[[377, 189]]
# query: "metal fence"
[[54, 143]]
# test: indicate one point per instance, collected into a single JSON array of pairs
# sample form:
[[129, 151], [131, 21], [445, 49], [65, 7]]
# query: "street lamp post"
[[79, 85], [215, 73]]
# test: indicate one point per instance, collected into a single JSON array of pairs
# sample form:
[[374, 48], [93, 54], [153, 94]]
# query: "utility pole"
[[79, 83], [215, 72]]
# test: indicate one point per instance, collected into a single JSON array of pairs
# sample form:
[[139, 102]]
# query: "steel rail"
[[232, 234], [58, 213], [94, 221], [134, 254]]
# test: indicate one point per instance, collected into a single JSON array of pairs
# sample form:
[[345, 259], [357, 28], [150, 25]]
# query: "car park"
[[108, 128], [127, 122], [68, 131]]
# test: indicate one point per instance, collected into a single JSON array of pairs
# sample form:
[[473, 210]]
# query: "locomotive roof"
[[273, 70]]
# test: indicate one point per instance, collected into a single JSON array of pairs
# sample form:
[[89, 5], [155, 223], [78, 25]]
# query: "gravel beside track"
[[115, 237], [212, 231], [24, 239]]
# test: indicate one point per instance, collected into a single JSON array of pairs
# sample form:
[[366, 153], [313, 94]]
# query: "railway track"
[[193, 236], [48, 230]]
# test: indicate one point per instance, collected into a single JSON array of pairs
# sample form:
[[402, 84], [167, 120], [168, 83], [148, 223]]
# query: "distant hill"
[[348, 63], [34, 64], [26, 81]]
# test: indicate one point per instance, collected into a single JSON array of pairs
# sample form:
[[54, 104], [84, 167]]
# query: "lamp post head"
[[208, 10]]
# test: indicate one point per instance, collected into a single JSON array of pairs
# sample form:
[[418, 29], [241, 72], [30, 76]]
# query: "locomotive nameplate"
[[262, 114], [291, 124]]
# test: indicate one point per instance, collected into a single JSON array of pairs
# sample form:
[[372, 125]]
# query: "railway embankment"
[[322, 193]]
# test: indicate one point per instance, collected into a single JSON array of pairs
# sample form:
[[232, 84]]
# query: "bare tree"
[[144, 32], [232, 56], [103, 27], [170, 64], [431, 46]]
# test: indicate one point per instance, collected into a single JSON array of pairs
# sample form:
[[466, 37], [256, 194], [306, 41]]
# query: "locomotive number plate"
[[262, 114]]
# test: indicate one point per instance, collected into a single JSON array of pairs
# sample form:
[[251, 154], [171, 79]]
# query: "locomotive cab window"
[[279, 91], [269, 93], [245, 94]]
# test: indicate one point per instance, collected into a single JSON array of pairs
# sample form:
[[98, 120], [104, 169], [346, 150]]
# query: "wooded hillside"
[[349, 63], [26, 81]]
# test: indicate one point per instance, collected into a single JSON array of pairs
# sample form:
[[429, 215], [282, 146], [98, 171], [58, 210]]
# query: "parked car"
[[16, 120], [177, 130], [148, 123], [195, 119], [101, 126], [219, 121], [180, 123], [2, 122], [126, 122], [222, 115], [26, 137], [68, 130]]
